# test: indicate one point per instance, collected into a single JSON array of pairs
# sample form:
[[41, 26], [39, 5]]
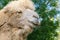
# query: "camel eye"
[[20, 12]]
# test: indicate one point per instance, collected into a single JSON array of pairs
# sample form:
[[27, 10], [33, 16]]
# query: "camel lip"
[[38, 22]]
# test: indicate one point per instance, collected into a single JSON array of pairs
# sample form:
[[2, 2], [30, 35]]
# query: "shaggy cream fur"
[[17, 20]]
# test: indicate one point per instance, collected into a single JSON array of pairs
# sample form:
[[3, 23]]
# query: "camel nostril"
[[35, 16]]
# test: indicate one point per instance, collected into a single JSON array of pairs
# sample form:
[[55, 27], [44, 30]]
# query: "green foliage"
[[47, 11], [3, 3]]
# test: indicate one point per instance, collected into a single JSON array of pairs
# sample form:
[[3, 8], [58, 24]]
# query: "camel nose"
[[37, 20]]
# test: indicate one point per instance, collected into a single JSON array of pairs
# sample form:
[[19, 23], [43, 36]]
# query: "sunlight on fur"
[[17, 20]]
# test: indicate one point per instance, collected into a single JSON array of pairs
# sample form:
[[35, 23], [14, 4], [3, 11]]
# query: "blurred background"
[[49, 12]]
